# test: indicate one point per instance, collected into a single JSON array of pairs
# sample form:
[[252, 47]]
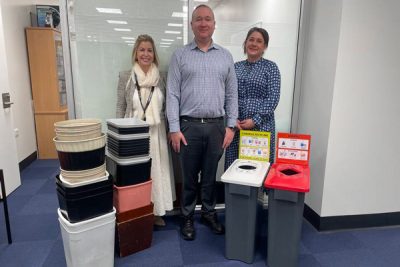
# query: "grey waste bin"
[[242, 181], [285, 213]]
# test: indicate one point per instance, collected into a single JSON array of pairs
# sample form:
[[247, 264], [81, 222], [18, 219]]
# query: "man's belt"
[[201, 120]]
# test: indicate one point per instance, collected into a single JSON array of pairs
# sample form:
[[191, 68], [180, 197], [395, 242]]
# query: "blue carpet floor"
[[37, 239]]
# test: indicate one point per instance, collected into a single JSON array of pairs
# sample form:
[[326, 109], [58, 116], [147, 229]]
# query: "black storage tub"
[[77, 161], [128, 171], [127, 126], [85, 202]]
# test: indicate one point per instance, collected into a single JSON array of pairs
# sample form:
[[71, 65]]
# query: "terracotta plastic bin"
[[134, 230], [90, 242], [128, 171], [132, 197], [242, 181], [288, 180]]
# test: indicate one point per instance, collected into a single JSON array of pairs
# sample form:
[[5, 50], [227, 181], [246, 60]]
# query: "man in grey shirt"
[[201, 97]]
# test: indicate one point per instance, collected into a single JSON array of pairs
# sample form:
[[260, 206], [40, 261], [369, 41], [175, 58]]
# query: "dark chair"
[[4, 200]]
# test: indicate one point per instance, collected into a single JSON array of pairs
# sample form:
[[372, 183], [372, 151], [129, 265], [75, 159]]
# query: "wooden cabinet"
[[46, 68]]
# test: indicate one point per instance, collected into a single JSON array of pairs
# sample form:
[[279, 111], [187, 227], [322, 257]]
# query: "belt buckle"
[[203, 120]]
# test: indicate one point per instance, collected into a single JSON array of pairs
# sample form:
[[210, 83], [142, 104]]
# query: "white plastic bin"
[[89, 243]]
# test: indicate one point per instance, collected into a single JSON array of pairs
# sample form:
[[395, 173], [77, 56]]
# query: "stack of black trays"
[[128, 147]]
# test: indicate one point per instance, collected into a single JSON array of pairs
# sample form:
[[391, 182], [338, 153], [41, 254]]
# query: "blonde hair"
[[144, 38]]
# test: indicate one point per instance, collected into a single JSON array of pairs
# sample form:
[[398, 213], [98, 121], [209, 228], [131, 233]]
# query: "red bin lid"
[[288, 177]]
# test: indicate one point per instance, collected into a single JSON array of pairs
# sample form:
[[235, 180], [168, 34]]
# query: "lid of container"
[[128, 161], [289, 177], [127, 123], [128, 136], [246, 172], [293, 148]]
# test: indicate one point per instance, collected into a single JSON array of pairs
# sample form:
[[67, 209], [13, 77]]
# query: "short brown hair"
[[144, 38], [203, 6]]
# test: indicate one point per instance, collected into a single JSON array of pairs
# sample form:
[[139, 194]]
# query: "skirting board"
[[27, 161], [350, 221]]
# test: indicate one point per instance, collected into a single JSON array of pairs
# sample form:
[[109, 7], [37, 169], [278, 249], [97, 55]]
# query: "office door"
[[8, 147]]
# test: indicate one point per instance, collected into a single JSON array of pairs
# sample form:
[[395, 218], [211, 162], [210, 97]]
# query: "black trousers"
[[201, 155]]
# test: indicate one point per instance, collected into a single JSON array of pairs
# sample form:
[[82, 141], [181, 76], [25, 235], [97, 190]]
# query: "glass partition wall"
[[102, 34]]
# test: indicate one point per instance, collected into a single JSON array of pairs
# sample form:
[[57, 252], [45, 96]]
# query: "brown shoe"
[[158, 221]]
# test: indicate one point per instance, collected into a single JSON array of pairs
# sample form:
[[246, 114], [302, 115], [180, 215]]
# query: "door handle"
[[6, 100]]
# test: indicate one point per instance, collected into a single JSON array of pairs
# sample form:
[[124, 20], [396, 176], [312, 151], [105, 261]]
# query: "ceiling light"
[[173, 32], [167, 40], [117, 22], [179, 37], [179, 15], [109, 10], [165, 43], [203, 1], [175, 24], [128, 38], [130, 44], [130, 41], [164, 46], [122, 30]]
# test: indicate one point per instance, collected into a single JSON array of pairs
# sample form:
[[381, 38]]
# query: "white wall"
[[16, 17], [318, 75], [349, 95], [362, 173]]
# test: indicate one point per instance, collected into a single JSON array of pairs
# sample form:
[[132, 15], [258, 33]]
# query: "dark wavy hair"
[[263, 32]]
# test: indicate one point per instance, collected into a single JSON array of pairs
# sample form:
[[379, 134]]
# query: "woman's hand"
[[247, 124], [238, 126]]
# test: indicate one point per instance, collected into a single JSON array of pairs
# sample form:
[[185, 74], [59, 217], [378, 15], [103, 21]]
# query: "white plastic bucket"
[[90, 242]]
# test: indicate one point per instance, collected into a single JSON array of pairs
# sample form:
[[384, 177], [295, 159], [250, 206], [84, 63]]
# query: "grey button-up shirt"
[[201, 85]]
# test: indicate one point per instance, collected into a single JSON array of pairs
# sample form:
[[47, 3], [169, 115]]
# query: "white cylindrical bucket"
[[90, 242]]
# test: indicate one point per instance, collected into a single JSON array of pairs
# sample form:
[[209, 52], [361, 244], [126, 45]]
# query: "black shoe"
[[187, 228], [211, 220]]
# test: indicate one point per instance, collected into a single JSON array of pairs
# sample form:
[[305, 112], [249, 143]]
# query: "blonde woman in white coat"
[[140, 96]]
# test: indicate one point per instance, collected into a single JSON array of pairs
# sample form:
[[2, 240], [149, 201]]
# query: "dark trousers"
[[201, 155]]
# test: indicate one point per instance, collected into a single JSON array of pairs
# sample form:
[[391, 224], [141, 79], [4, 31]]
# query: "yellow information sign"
[[254, 145]]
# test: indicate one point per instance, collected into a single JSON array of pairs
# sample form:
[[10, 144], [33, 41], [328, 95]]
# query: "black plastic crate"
[[77, 161], [127, 126], [128, 171], [128, 145], [85, 202], [123, 154]]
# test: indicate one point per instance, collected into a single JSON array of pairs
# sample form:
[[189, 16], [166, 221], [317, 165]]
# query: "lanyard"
[[140, 98]]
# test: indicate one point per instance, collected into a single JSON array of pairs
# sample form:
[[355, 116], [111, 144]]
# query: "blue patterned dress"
[[259, 91]]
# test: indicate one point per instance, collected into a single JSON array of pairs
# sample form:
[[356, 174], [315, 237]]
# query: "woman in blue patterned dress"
[[259, 83]]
